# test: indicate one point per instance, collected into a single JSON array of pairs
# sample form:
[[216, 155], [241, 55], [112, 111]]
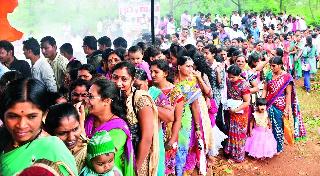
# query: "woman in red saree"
[[238, 102]]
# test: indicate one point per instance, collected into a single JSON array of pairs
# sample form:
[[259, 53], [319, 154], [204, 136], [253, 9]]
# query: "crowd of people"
[[164, 109]]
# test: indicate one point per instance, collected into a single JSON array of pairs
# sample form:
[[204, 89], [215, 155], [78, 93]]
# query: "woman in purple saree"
[[106, 106], [282, 101]]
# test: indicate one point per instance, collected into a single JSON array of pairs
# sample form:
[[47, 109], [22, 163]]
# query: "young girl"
[[100, 156], [261, 143]]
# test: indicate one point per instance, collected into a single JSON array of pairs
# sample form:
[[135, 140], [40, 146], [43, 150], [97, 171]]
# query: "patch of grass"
[[310, 108]]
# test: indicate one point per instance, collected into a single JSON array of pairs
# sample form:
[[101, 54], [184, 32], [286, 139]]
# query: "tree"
[[238, 4]]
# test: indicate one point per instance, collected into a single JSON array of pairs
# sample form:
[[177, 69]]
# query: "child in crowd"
[[135, 55], [261, 142], [100, 156]]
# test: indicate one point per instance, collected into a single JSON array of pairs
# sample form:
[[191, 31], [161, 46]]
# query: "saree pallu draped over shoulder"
[[276, 103]]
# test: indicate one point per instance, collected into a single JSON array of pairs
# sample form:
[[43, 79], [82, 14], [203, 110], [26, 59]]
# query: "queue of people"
[[150, 111]]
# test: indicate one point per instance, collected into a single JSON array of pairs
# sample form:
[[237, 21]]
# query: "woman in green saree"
[[22, 107]]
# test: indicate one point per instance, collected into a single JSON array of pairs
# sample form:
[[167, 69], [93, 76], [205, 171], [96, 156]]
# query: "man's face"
[[5, 56], [185, 33], [235, 27], [254, 25], [48, 50], [26, 53], [201, 33]]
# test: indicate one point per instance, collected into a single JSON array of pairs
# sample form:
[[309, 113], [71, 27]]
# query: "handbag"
[[306, 67], [288, 129]]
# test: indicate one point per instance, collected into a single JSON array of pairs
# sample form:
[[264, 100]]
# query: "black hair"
[[58, 112], [50, 40], [177, 50], [150, 52], [202, 66], [121, 52], [218, 58], [54, 96], [234, 70], [90, 68], [309, 41], [253, 57], [73, 67], [67, 48], [212, 48], [6, 45], [276, 60], [106, 54], [125, 64], [192, 51], [279, 52], [120, 42], [142, 45], [134, 49], [164, 66], [141, 74], [105, 41], [33, 45], [108, 89], [24, 90], [261, 102], [8, 77], [90, 41], [182, 60]]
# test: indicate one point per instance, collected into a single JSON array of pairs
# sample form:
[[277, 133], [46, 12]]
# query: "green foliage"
[[300, 7]]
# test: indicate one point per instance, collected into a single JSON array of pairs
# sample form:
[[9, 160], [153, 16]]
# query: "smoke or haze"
[[71, 20]]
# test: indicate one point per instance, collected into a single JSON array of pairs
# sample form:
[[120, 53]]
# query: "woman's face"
[[23, 121], [123, 80], [157, 74], [79, 94], [232, 78], [95, 102], [141, 84], [245, 45], [208, 55], [186, 69], [69, 131], [84, 74], [241, 62], [200, 47], [275, 68], [173, 59], [113, 60], [224, 54], [270, 39]]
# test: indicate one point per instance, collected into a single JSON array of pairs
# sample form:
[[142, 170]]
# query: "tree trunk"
[[311, 11], [239, 7], [171, 6], [281, 5]]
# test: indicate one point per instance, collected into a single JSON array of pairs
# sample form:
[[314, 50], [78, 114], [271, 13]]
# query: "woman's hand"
[[198, 134], [287, 111], [234, 110], [197, 74], [208, 102]]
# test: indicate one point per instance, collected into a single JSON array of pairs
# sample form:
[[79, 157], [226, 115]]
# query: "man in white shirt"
[[185, 20], [235, 18], [3, 69], [235, 32], [41, 69]]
